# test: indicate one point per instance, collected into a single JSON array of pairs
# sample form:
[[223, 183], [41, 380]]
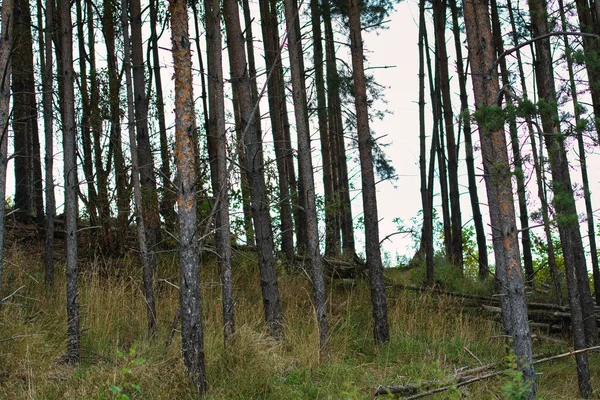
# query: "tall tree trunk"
[[516, 152], [192, 340], [439, 15], [254, 167], [46, 60], [6, 46], [564, 200], [305, 162], [28, 175], [217, 152], [499, 188], [86, 139], [147, 176], [365, 149], [331, 246], [427, 231], [336, 132], [145, 237], [115, 140], [538, 170], [167, 201], [71, 182], [469, 159], [582, 159], [279, 122]]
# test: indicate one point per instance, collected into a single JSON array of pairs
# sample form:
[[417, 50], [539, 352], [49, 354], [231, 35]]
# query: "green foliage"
[[490, 118], [514, 386], [126, 389]]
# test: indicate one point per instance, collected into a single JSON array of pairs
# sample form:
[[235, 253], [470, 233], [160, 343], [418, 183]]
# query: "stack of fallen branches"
[[545, 315], [461, 378]]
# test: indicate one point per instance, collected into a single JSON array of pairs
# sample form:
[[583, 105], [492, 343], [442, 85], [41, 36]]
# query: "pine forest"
[[283, 199]]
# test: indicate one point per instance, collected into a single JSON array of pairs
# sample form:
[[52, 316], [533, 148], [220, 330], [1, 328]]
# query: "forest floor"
[[432, 337]]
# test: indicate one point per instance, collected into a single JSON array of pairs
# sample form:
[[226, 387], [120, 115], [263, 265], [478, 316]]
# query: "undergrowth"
[[431, 338]]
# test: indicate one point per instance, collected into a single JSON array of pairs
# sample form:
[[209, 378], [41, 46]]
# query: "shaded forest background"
[[229, 140]]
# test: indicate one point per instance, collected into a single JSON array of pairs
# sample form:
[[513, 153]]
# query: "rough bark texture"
[[192, 341], [71, 182], [217, 152], [28, 171], [279, 122], [439, 15], [564, 199], [6, 43], [305, 158], [148, 259], [254, 168], [469, 159], [47, 89], [365, 145], [583, 320], [499, 188]]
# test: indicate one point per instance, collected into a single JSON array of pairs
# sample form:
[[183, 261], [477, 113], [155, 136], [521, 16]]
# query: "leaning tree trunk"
[[365, 149], [71, 182], [305, 158], [6, 43], [147, 257], [192, 341], [254, 168], [499, 187], [217, 152]]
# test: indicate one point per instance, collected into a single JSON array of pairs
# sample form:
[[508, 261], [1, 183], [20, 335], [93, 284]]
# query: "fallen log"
[[456, 381]]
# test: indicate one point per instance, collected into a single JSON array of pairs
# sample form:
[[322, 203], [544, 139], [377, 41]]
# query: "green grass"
[[431, 337]]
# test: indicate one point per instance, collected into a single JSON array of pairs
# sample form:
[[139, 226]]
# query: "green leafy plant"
[[127, 389]]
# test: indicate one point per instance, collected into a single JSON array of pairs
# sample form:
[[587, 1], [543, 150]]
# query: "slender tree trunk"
[[71, 182], [305, 162], [192, 340], [498, 183], [28, 185], [167, 201], [46, 59], [331, 247], [365, 148], [582, 160], [427, 231], [115, 140], [564, 200], [538, 170], [254, 167], [439, 15], [279, 122], [516, 153], [217, 152], [147, 176], [469, 159], [6, 45], [148, 258], [86, 139]]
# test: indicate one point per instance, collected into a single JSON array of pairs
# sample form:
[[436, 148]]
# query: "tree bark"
[[365, 146], [147, 256], [305, 162], [217, 152], [192, 341], [279, 123], [6, 45], [499, 188], [71, 182], [254, 168], [469, 159]]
